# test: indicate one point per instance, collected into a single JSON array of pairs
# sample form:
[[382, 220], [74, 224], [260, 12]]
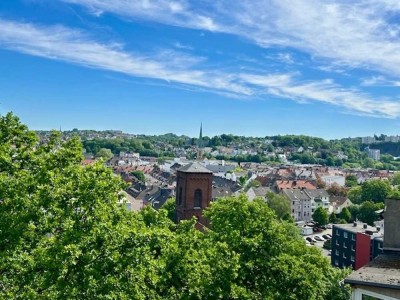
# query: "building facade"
[[193, 193], [355, 245]]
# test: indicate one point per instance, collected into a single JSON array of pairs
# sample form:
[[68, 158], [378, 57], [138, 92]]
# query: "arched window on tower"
[[180, 196], [198, 197]]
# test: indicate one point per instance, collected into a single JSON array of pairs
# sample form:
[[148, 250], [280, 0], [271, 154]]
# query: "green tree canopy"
[[396, 178], [355, 195], [64, 235], [367, 213], [139, 175], [104, 153], [375, 190], [332, 218], [320, 216], [345, 215], [351, 180], [279, 204]]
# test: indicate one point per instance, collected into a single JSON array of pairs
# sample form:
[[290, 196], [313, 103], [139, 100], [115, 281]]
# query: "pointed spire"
[[201, 131]]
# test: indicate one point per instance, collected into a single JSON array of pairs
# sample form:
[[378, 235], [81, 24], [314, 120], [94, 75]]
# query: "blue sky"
[[315, 67]]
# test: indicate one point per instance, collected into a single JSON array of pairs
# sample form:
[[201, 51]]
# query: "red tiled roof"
[[295, 184]]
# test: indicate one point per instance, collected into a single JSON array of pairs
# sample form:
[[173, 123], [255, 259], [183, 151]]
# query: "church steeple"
[[200, 143]]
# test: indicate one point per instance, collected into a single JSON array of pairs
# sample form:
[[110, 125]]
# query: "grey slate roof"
[[295, 194], [261, 191], [194, 167], [220, 168], [317, 193]]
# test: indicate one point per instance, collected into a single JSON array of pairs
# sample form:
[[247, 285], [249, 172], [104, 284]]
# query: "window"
[[336, 262], [198, 198], [353, 237], [352, 258], [345, 234], [337, 233], [344, 245], [180, 196], [352, 248], [344, 255], [337, 252]]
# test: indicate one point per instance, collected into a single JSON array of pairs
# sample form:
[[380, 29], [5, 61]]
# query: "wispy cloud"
[[353, 33], [73, 46], [65, 44], [325, 91], [176, 13], [380, 81], [183, 46]]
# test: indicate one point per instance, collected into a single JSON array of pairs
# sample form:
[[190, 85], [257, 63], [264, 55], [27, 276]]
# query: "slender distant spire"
[[200, 141]]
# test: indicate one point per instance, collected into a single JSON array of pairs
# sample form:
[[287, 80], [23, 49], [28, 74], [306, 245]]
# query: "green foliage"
[[375, 190], [139, 175], [273, 260], [345, 215], [279, 204], [367, 213], [354, 211], [254, 183], [63, 235], [396, 179], [351, 180], [355, 195], [332, 218], [104, 153], [320, 216], [169, 206]]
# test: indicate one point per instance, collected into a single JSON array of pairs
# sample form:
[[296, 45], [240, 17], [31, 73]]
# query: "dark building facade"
[[355, 245], [193, 193], [380, 278]]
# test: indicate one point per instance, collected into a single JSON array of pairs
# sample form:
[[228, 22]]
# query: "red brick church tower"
[[193, 192]]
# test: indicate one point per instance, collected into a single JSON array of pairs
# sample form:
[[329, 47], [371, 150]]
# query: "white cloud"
[[65, 44], [380, 81], [354, 33], [176, 13], [325, 91]]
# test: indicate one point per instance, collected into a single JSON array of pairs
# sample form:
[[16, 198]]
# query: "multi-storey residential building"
[[354, 245], [303, 202], [300, 204], [368, 140], [375, 154], [319, 198]]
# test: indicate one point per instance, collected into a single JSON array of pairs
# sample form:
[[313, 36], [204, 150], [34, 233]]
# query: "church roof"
[[194, 168]]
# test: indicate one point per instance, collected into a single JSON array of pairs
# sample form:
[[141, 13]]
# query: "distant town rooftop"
[[383, 271], [194, 168], [361, 227]]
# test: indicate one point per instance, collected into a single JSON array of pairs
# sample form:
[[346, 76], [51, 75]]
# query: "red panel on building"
[[363, 249]]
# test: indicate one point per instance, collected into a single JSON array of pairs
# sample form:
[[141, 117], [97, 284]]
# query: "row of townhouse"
[[303, 202]]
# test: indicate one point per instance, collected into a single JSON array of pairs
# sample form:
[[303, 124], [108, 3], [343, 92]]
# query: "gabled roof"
[[296, 194], [194, 168], [317, 193]]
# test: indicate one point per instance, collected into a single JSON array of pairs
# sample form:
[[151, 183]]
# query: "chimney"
[[365, 226], [355, 224], [391, 239]]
